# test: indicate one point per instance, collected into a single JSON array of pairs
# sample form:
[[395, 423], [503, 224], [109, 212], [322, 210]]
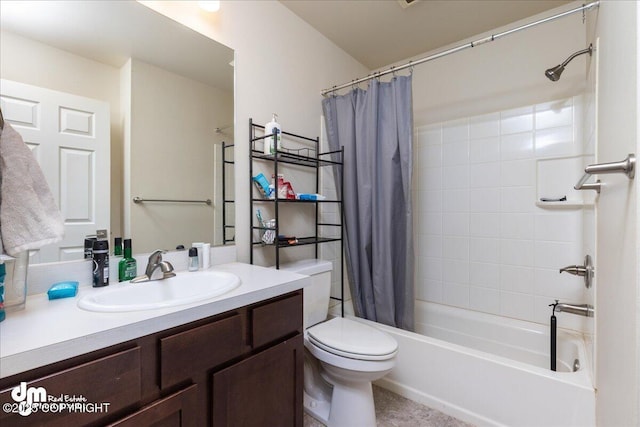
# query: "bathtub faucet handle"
[[585, 271]]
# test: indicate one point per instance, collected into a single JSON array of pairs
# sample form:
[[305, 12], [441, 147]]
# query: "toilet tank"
[[316, 295]]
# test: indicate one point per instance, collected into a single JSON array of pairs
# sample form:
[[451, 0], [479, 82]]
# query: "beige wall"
[[503, 74], [38, 64], [173, 121], [617, 316], [281, 63]]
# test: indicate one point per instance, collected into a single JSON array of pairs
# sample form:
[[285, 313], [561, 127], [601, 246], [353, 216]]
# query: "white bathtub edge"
[[467, 380]]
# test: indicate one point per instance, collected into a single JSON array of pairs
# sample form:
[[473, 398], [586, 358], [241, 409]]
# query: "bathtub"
[[493, 371]]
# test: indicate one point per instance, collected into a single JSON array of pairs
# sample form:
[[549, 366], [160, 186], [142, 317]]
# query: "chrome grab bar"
[[626, 166], [141, 200]]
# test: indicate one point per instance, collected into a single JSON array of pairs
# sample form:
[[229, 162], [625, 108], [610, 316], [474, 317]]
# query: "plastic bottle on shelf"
[[269, 144]]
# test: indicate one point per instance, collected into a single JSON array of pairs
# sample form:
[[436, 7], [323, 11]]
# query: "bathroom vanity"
[[234, 360]]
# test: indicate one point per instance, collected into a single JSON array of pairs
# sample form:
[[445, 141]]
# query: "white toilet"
[[342, 356]]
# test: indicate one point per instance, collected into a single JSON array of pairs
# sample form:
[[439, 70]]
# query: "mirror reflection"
[[137, 106]]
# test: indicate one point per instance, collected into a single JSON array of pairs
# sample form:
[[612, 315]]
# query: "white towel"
[[29, 216]]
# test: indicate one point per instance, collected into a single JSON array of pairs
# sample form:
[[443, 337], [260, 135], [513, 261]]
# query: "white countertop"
[[48, 331]]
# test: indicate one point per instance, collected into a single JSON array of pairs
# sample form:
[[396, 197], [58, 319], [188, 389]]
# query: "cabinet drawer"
[[199, 349], [104, 386], [276, 319]]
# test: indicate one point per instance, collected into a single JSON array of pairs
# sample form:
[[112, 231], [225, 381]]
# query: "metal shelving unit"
[[227, 162], [309, 157]]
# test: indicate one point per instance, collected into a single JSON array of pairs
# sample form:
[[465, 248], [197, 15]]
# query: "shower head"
[[554, 73]]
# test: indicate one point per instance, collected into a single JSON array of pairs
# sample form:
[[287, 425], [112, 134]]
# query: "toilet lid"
[[352, 339]]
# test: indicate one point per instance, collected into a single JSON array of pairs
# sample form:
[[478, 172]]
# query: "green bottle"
[[117, 246], [127, 267]]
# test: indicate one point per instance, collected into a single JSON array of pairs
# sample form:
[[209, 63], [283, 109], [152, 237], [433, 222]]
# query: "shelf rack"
[[227, 162], [309, 157]]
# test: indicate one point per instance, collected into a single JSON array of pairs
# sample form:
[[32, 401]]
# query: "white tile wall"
[[481, 241], [330, 213]]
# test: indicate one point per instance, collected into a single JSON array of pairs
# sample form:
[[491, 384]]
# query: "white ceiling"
[[380, 32]]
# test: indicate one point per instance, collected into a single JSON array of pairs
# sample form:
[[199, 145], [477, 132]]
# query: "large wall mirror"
[[137, 106]]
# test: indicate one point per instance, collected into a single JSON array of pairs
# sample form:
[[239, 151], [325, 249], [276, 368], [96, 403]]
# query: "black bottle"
[[100, 263], [88, 246]]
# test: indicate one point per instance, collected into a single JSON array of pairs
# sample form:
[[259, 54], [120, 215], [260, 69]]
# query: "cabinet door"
[[175, 410], [263, 390]]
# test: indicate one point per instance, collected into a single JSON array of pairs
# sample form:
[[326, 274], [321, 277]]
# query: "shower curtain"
[[375, 126]]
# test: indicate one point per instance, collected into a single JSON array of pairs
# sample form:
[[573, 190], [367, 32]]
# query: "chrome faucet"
[[155, 262], [581, 309]]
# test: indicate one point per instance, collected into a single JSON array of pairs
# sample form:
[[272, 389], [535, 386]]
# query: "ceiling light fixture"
[[210, 6]]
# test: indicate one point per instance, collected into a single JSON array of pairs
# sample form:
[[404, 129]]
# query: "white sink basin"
[[185, 288]]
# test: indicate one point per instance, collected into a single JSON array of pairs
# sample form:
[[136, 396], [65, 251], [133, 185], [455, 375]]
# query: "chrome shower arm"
[[588, 50], [554, 73]]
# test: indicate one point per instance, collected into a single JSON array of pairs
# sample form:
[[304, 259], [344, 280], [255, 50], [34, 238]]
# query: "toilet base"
[[318, 409], [351, 405]]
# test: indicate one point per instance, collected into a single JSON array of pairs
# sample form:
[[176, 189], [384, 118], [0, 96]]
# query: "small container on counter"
[[128, 266], [88, 246], [117, 246], [193, 259], [100, 254]]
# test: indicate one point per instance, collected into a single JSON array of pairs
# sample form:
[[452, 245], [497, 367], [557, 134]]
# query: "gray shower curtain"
[[375, 126]]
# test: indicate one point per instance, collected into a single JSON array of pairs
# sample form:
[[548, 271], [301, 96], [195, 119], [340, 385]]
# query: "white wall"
[[503, 74], [173, 121], [281, 63], [617, 316]]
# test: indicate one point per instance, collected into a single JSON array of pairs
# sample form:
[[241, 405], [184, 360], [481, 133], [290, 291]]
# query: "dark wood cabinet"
[[239, 368], [175, 410], [262, 390]]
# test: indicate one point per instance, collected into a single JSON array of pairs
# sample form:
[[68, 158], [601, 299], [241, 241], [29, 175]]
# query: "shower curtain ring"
[[393, 72], [410, 67]]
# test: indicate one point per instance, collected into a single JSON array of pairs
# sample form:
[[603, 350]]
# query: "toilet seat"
[[351, 339]]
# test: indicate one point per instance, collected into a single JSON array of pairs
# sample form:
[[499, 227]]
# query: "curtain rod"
[[461, 47]]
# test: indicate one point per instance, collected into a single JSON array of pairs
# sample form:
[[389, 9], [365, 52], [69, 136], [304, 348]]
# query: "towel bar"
[[626, 166], [141, 200]]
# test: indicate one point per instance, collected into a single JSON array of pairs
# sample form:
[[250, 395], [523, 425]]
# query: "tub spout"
[[580, 309]]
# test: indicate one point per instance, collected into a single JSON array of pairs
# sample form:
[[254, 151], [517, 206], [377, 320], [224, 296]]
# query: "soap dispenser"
[[269, 144]]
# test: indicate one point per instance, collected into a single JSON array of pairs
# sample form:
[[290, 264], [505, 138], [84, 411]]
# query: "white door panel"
[[69, 136]]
